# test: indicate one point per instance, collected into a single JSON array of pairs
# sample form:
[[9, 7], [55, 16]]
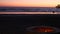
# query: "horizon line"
[[18, 6]]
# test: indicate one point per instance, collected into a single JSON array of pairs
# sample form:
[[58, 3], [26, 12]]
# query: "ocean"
[[28, 9]]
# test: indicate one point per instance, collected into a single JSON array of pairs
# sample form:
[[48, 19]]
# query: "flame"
[[44, 29]]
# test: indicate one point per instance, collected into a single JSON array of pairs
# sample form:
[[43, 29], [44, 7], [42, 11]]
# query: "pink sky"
[[30, 3]]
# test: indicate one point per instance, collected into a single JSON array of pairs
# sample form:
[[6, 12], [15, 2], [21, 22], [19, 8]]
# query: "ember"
[[44, 29]]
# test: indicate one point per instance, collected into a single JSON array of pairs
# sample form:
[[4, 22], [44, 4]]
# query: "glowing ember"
[[43, 29]]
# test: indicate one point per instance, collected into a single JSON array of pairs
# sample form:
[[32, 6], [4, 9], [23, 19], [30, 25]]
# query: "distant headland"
[[58, 6]]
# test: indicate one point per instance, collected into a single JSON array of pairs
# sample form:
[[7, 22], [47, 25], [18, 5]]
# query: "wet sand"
[[29, 12]]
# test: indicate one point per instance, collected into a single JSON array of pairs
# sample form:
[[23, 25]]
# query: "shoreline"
[[29, 12]]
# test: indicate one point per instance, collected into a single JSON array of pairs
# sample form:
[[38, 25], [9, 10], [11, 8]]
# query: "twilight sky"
[[30, 3]]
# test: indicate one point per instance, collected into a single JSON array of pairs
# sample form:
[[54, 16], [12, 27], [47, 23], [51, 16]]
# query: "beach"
[[29, 12]]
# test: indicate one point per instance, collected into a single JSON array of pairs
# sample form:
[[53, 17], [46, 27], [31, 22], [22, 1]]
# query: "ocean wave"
[[31, 9]]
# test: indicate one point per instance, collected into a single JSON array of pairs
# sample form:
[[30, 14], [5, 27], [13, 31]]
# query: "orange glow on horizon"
[[30, 3]]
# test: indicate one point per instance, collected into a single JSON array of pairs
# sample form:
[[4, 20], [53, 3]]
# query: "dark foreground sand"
[[29, 13]]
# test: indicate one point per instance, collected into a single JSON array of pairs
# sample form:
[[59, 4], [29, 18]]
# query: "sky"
[[30, 3]]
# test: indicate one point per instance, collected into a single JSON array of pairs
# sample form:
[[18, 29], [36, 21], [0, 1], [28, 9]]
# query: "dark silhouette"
[[53, 11], [58, 6]]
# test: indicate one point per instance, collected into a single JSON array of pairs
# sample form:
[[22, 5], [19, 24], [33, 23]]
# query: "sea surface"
[[28, 9]]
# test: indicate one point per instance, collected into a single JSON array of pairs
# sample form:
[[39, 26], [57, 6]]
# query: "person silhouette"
[[53, 11]]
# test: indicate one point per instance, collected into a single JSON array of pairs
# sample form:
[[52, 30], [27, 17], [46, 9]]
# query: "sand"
[[29, 13]]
